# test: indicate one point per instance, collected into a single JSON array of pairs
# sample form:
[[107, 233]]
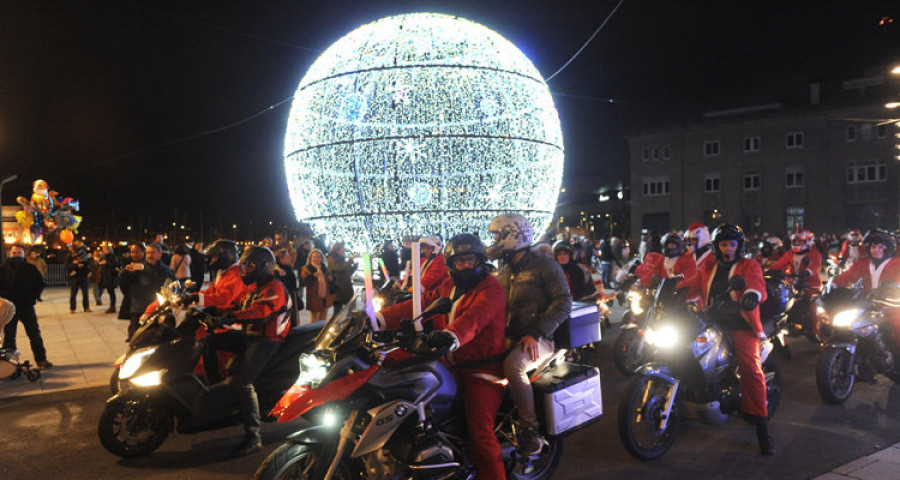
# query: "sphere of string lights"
[[421, 124]]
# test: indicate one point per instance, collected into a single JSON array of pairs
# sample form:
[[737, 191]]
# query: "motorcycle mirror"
[[438, 307], [737, 282]]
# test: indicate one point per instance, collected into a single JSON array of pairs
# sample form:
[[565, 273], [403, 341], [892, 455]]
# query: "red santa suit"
[[851, 254], [665, 267], [433, 271], [265, 311], [746, 342], [478, 319], [790, 263], [226, 291], [769, 262]]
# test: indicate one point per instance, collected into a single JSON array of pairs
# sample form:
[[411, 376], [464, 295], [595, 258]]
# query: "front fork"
[[670, 400], [347, 435]]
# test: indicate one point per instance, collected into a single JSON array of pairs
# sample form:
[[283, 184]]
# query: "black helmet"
[[882, 237], [222, 254], [466, 244], [675, 238], [562, 246], [263, 262], [727, 231], [766, 249]]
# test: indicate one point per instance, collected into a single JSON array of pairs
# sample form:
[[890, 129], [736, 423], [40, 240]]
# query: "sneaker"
[[44, 364], [530, 441]]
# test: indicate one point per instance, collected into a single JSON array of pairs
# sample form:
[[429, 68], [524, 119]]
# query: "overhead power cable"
[[608, 17], [188, 137]]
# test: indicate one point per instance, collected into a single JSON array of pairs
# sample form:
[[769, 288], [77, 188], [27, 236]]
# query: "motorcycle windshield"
[[340, 328]]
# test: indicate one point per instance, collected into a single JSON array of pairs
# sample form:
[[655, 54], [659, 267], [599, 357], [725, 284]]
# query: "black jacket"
[[141, 286], [391, 262], [20, 282], [537, 296]]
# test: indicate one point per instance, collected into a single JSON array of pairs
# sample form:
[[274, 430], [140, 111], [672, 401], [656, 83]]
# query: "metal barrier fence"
[[56, 275]]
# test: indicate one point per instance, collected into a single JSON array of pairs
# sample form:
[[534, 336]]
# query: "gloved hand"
[[226, 319], [440, 340], [749, 301], [188, 298]]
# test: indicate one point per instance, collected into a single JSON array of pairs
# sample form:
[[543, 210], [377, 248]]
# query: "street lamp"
[[2, 239]]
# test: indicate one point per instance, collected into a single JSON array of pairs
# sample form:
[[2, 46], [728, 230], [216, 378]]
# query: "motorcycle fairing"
[[385, 419], [336, 390]]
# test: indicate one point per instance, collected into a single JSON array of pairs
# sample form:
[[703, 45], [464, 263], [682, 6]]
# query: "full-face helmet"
[[512, 233]]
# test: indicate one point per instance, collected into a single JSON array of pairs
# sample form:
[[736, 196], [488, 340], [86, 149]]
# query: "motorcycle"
[[157, 389], [407, 421], [643, 308], [857, 348], [802, 318], [693, 373]]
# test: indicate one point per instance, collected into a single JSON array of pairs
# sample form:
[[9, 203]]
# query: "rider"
[[476, 324], [674, 260], [770, 252], [850, 249], [264, 317], [538, 301], [802, 247], [697, 240], [746, 331], [433, 267]]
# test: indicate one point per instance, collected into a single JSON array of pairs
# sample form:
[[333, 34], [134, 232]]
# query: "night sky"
[[110, 101]]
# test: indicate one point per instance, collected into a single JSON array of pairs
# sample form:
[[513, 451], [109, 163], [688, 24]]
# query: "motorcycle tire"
[[299, 462], [131, 426], [774, 384], [624, 356], [642, 436], [832, 379], [536, 467]]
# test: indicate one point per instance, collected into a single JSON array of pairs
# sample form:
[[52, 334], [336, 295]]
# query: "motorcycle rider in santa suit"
[[745, 329], [263, 316], [476, 324], [696, 237], [770, 252], [852, 248], [675, 260], [802, 243], [538, 302], [433, 265], [878, 268]]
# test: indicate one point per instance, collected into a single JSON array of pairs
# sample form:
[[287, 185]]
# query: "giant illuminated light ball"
[[421, 124]]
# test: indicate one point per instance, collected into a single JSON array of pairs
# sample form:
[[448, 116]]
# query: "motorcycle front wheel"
[[293, 461], [625, 354], [834, 375], [131, 426], [640, 411]]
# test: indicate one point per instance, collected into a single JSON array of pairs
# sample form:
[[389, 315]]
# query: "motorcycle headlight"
[[664, 337], [134, 362], [634, 303], [378, 303], [160, 299], [151, 379], [845, 318], [312, 370]]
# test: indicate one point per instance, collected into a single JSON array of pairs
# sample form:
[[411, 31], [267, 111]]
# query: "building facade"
[[827, 167]]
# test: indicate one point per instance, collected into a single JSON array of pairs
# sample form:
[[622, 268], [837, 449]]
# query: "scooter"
[[158, 390]]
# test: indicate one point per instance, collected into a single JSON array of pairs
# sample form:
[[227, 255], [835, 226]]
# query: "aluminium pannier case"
[[567, 398], [581, 328]]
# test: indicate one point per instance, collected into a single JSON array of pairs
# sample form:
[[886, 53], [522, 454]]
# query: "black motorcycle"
[[692, 373], [858, 344], [157, 390]]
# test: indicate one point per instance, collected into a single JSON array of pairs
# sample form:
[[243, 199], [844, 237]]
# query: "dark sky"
[[95, 96]]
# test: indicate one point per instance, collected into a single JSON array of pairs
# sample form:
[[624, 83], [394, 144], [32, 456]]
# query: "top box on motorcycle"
[[582, 327], [567, 398]]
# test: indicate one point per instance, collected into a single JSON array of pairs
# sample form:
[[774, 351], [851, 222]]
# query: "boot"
[[766, 445], [249, 445]]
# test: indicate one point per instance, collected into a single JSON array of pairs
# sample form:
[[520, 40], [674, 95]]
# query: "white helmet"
[[775, 242], [512, 232], [698, 232], [432, 241]]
